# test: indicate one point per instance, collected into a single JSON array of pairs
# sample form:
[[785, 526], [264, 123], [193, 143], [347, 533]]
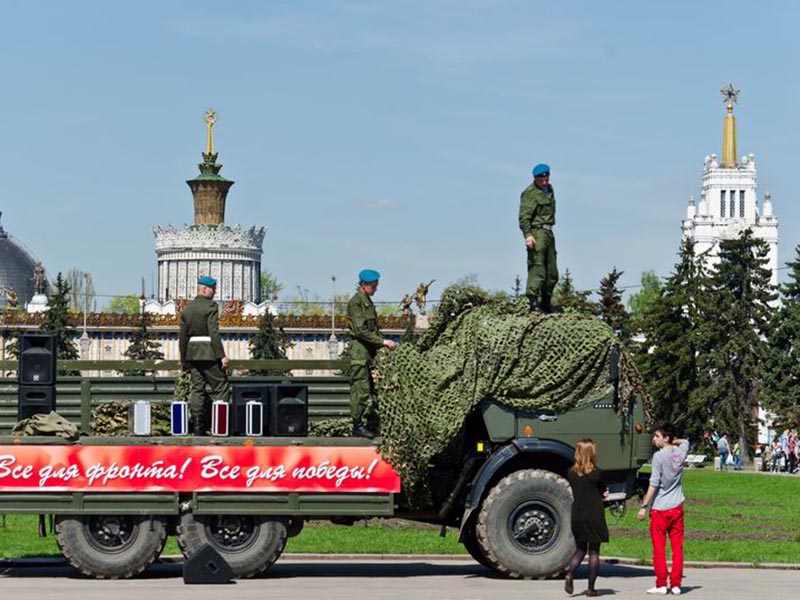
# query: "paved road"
[[364, 580]]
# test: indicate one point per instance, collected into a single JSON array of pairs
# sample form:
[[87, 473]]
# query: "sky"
[[388, 135]]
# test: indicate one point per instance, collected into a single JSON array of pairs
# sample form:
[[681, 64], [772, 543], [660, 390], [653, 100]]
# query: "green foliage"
[[270, 286], [81, 290], [128, 305], [270, 342], [144, 344], [781, 376], [668, 357], [732, 335], [570, 300], [612, 310], [643, 302], [56, 321]]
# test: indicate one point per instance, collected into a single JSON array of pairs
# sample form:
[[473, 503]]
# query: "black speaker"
[[288, 411], [206, 566], [35, 399], [37, 359], [241, 394]]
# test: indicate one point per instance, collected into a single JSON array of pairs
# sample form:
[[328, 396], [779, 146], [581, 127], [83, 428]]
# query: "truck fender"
[[496, 462]]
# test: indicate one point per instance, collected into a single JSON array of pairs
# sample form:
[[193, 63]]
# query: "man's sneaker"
[[658, 591], [676, 590]]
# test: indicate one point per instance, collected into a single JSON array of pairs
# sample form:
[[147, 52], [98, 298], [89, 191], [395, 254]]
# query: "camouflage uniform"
[[365, 341], [201, 351], [537, 216]]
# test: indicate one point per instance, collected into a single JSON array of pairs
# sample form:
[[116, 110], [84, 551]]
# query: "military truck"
[[506, 491]]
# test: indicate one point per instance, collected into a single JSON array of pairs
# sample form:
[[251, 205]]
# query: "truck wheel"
[[248, 543], [473, 547], [524, 525], [110, 546]]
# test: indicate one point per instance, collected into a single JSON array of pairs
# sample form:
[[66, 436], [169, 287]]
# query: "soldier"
[[365, 341], [537, 216], [202, 353]]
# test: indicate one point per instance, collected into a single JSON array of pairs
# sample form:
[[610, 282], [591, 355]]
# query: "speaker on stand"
[[36, 374]]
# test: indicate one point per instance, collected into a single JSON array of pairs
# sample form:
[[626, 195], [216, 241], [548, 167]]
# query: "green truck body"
[[507, 493]]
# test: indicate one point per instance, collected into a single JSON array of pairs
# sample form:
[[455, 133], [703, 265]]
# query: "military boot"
[[199, 425], [534, 305], [361, 430], [547, 305]]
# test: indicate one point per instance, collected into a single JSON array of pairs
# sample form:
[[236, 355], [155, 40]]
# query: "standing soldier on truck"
[[202, 353], [365, 341], [537, 216]]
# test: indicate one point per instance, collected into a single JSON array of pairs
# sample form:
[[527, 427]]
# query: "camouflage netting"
[[478, 348], [112, 418]]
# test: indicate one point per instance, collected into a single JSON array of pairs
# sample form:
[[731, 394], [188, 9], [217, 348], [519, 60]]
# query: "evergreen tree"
[[668, 357], [270, 342], [643, 302], [144, 344], [570, 300], [56, 320], [732, 336], [612, 310], [781, 376]]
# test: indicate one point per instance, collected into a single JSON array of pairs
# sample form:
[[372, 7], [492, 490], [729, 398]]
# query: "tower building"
[[729, 201], [231, 255]]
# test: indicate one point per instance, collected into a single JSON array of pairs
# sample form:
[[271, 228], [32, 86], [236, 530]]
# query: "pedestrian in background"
[[724, 449], [588, 521], [665, 498]]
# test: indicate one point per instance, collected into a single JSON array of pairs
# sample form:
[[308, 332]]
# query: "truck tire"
[[523, 526], [110, 546], [248, 543], [473, 547]]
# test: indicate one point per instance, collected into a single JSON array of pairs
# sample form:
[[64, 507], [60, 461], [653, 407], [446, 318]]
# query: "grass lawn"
[[739, 517]]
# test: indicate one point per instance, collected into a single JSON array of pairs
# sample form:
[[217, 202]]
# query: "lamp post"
[[333, 341], [84, 342]]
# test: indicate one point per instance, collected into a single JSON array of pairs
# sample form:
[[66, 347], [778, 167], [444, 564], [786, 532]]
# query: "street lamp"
[[84, 342], [333, 341]]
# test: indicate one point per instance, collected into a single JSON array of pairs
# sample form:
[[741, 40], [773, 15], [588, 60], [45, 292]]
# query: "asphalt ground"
[[371, 578]]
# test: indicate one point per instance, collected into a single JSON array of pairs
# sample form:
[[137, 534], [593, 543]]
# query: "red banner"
[[195, 469]]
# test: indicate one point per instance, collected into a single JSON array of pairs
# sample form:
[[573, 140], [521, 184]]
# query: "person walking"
[[665, 498], [365, 341], [537, 216], [588, 520], [202, 354], [724, 448]]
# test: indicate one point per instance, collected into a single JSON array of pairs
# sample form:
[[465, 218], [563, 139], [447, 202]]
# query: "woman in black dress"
[[588, 514]]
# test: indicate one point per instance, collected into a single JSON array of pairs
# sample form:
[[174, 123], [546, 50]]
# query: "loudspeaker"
[[35, 399], [206, 566], [37, 359], [241, 394], [288, 411]]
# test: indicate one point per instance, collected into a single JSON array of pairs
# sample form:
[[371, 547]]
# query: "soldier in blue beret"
[[365, 341], [202, 353], [537, 216]]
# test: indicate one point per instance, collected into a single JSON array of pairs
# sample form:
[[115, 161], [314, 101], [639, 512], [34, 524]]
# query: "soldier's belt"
[[545, 227], [200, 338]]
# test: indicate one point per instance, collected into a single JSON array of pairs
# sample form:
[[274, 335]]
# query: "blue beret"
[[368, 276], [206, 280], [540, 169]]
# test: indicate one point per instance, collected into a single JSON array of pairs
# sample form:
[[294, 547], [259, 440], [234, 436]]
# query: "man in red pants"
[[665, 498]]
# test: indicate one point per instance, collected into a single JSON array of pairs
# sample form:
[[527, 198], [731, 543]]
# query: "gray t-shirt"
[[667, 475]]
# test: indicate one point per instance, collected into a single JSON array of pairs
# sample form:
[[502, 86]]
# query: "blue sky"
[[390, 135]]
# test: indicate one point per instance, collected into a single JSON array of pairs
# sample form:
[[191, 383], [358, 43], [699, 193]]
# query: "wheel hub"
[[110, 532], [233, 532], [533, 527]]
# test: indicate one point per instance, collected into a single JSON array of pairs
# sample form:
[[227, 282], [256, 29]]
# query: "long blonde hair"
[[585, 457]]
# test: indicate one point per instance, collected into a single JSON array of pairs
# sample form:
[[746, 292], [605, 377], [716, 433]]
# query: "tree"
[[270, 342], [81, 290], [570, 300], [781, 376], [643, 302], [128, 305], [612, 311], [668, 357], [270, 286], [735, 324], [56, 320], [144, 344]]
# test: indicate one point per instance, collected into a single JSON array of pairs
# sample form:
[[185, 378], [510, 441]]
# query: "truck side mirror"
[[613, 367]]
